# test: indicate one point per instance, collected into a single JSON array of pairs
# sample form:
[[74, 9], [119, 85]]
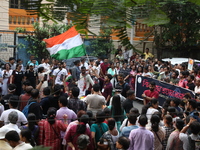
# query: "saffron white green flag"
[[66, 45]]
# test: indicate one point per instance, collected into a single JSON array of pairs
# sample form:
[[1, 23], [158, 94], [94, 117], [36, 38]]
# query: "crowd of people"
[[90, 105]]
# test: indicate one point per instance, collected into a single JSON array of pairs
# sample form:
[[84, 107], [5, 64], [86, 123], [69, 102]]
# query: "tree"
[[36, 44], [102, 45], [182, 32]]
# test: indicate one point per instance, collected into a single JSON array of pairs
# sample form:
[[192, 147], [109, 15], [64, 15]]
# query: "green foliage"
[[36, 44], [102, 45], [182, 32]]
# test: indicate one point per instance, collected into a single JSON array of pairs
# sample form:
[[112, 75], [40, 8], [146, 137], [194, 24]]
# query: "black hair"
[[100, 116], [14, 101], [172, 111], [120, 75], [179, 124], [176, 73], [28, 135], [152, 83], [155, 120], [129, 93], [63, 100], [183, 73], [76, 62], [26, 83], [81, 127], [97, 63], [6, 64], [11, 58], [116, 109], [89, 113], [40, 69], [124, 141], [176, 101], [132, 118], [57, 89], [107, 112], [75, 91], [46, 91], [35, 93], [11, 87], [31, 121], [143, 120], [154, 101], [111, 123], [83, 67], [12, 136], [109, 76], [51, 114], [138, 69], [193, 103], [96, 87], [192, 76], [169, 120], [195, 127]]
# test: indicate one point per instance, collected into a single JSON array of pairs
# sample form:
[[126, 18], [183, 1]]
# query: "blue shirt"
[[126, 130]]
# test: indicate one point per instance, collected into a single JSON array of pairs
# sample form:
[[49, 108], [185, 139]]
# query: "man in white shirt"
[[95, 101], [84, 82], [83, 63], [13, 104], [59, 74], [46, 64], [12, 117]]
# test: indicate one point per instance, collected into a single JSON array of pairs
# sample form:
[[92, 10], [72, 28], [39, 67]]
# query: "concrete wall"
[[4, 15]]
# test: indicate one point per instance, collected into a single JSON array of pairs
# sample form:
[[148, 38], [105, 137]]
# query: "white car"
[[179, 60]]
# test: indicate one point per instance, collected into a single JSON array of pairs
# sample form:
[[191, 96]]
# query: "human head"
[[18, 67], [120, 78], [122, 143], [96, 87], [83, 70], [35, 93], [130, 94], [46, 60], [154, 103], [13, 117], [62, 101], [147, 50], [152, 86], [111, 124], [11, 88], [195, 127], [77, 63], [155, 120], [31, 121], [190, 78], [12, 60], [75, 92], [134, 111], [46, 91], [132, 118], [168, 120], [57, 89], [191, 104], [179, 124], [118, 89], [26, 136], [107, 77], [100, 116], [13, 101], [7, 66], [13, 138], [175, 74], [51, 114], [83, 141], [143, 120], [40, 69], [175, 102]]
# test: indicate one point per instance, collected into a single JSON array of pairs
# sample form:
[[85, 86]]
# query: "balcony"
[[21, 18]]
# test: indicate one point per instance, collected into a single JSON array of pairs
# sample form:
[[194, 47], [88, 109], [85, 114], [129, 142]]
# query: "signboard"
[[190, 64], [164, 89], [3, 47]]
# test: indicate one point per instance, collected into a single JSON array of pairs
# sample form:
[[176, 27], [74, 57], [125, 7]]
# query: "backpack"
[[26, 109], [194, 144]]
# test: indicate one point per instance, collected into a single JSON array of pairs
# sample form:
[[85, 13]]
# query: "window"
[[17, 4]]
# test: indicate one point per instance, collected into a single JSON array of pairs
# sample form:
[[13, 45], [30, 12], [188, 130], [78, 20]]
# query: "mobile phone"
[[45, 77], [61, 77]]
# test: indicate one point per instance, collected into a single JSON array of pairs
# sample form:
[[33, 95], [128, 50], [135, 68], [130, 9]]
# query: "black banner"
[[164, 89]]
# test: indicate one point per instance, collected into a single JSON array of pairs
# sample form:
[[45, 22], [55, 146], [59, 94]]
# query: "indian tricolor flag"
[[66, 45]]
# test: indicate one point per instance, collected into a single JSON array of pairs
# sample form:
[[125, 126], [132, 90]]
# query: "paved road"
[[138, 104]]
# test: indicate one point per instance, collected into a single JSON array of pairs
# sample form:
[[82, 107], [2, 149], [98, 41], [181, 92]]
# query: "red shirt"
[[151, 94], [104, 67]]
